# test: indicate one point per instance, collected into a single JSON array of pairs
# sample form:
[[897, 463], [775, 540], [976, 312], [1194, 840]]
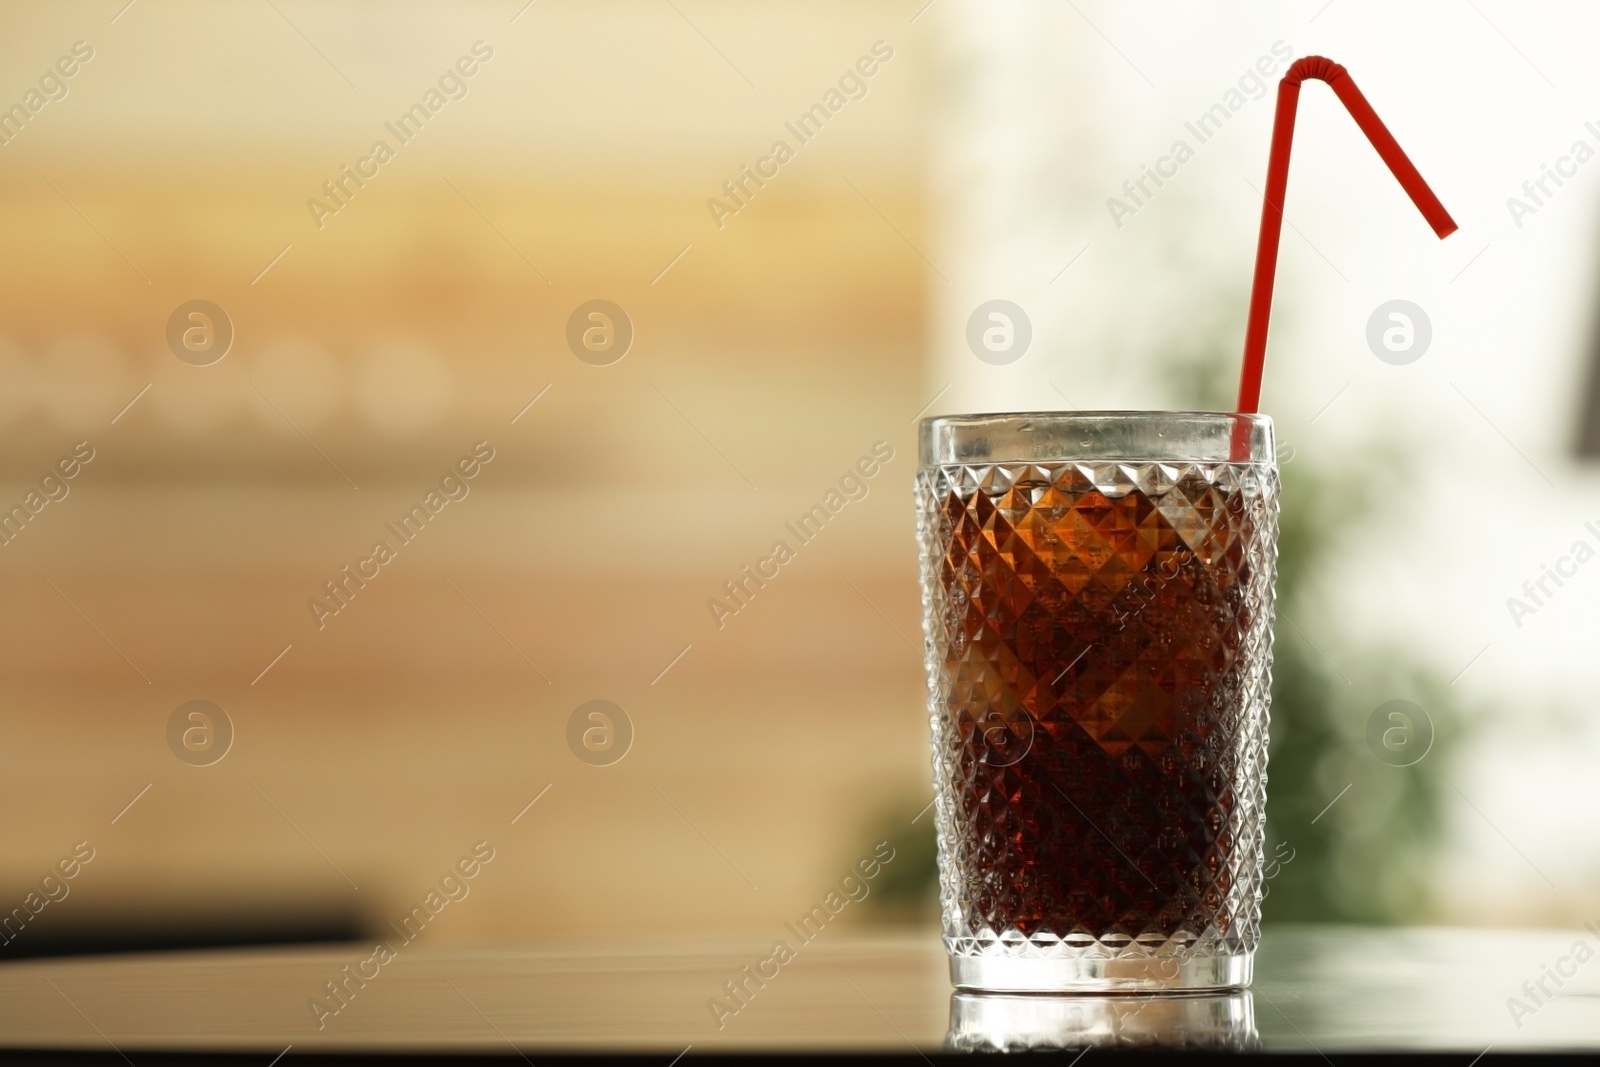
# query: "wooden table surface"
[[1324, 989]]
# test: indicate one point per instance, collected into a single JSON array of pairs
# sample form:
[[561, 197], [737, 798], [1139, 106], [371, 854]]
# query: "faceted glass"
[[1097, 603]]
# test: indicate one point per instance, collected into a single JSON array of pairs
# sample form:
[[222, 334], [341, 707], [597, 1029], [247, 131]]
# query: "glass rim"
[[1130, 414], [1096, 437]]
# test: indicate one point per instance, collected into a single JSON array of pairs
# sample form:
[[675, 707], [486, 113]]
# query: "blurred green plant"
[[908, 888], [1350, 837]]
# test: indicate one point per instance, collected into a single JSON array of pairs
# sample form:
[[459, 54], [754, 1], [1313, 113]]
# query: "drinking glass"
[[1097, 594]]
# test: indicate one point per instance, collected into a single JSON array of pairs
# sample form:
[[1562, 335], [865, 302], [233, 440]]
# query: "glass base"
[[1012, 974], [1008, 1022]]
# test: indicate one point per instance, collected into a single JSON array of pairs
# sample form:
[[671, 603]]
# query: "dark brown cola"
[[1100, 705]]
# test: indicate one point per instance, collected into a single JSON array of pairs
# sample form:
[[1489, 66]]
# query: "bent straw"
[[1339, 80]]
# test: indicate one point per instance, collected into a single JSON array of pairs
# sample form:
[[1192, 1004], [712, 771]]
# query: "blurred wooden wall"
[[369, 358]]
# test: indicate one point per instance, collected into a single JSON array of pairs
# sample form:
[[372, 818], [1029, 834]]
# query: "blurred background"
[[935, 156]]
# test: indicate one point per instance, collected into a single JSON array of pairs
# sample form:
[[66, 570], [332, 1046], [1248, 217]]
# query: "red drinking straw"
[[1255, 336]]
